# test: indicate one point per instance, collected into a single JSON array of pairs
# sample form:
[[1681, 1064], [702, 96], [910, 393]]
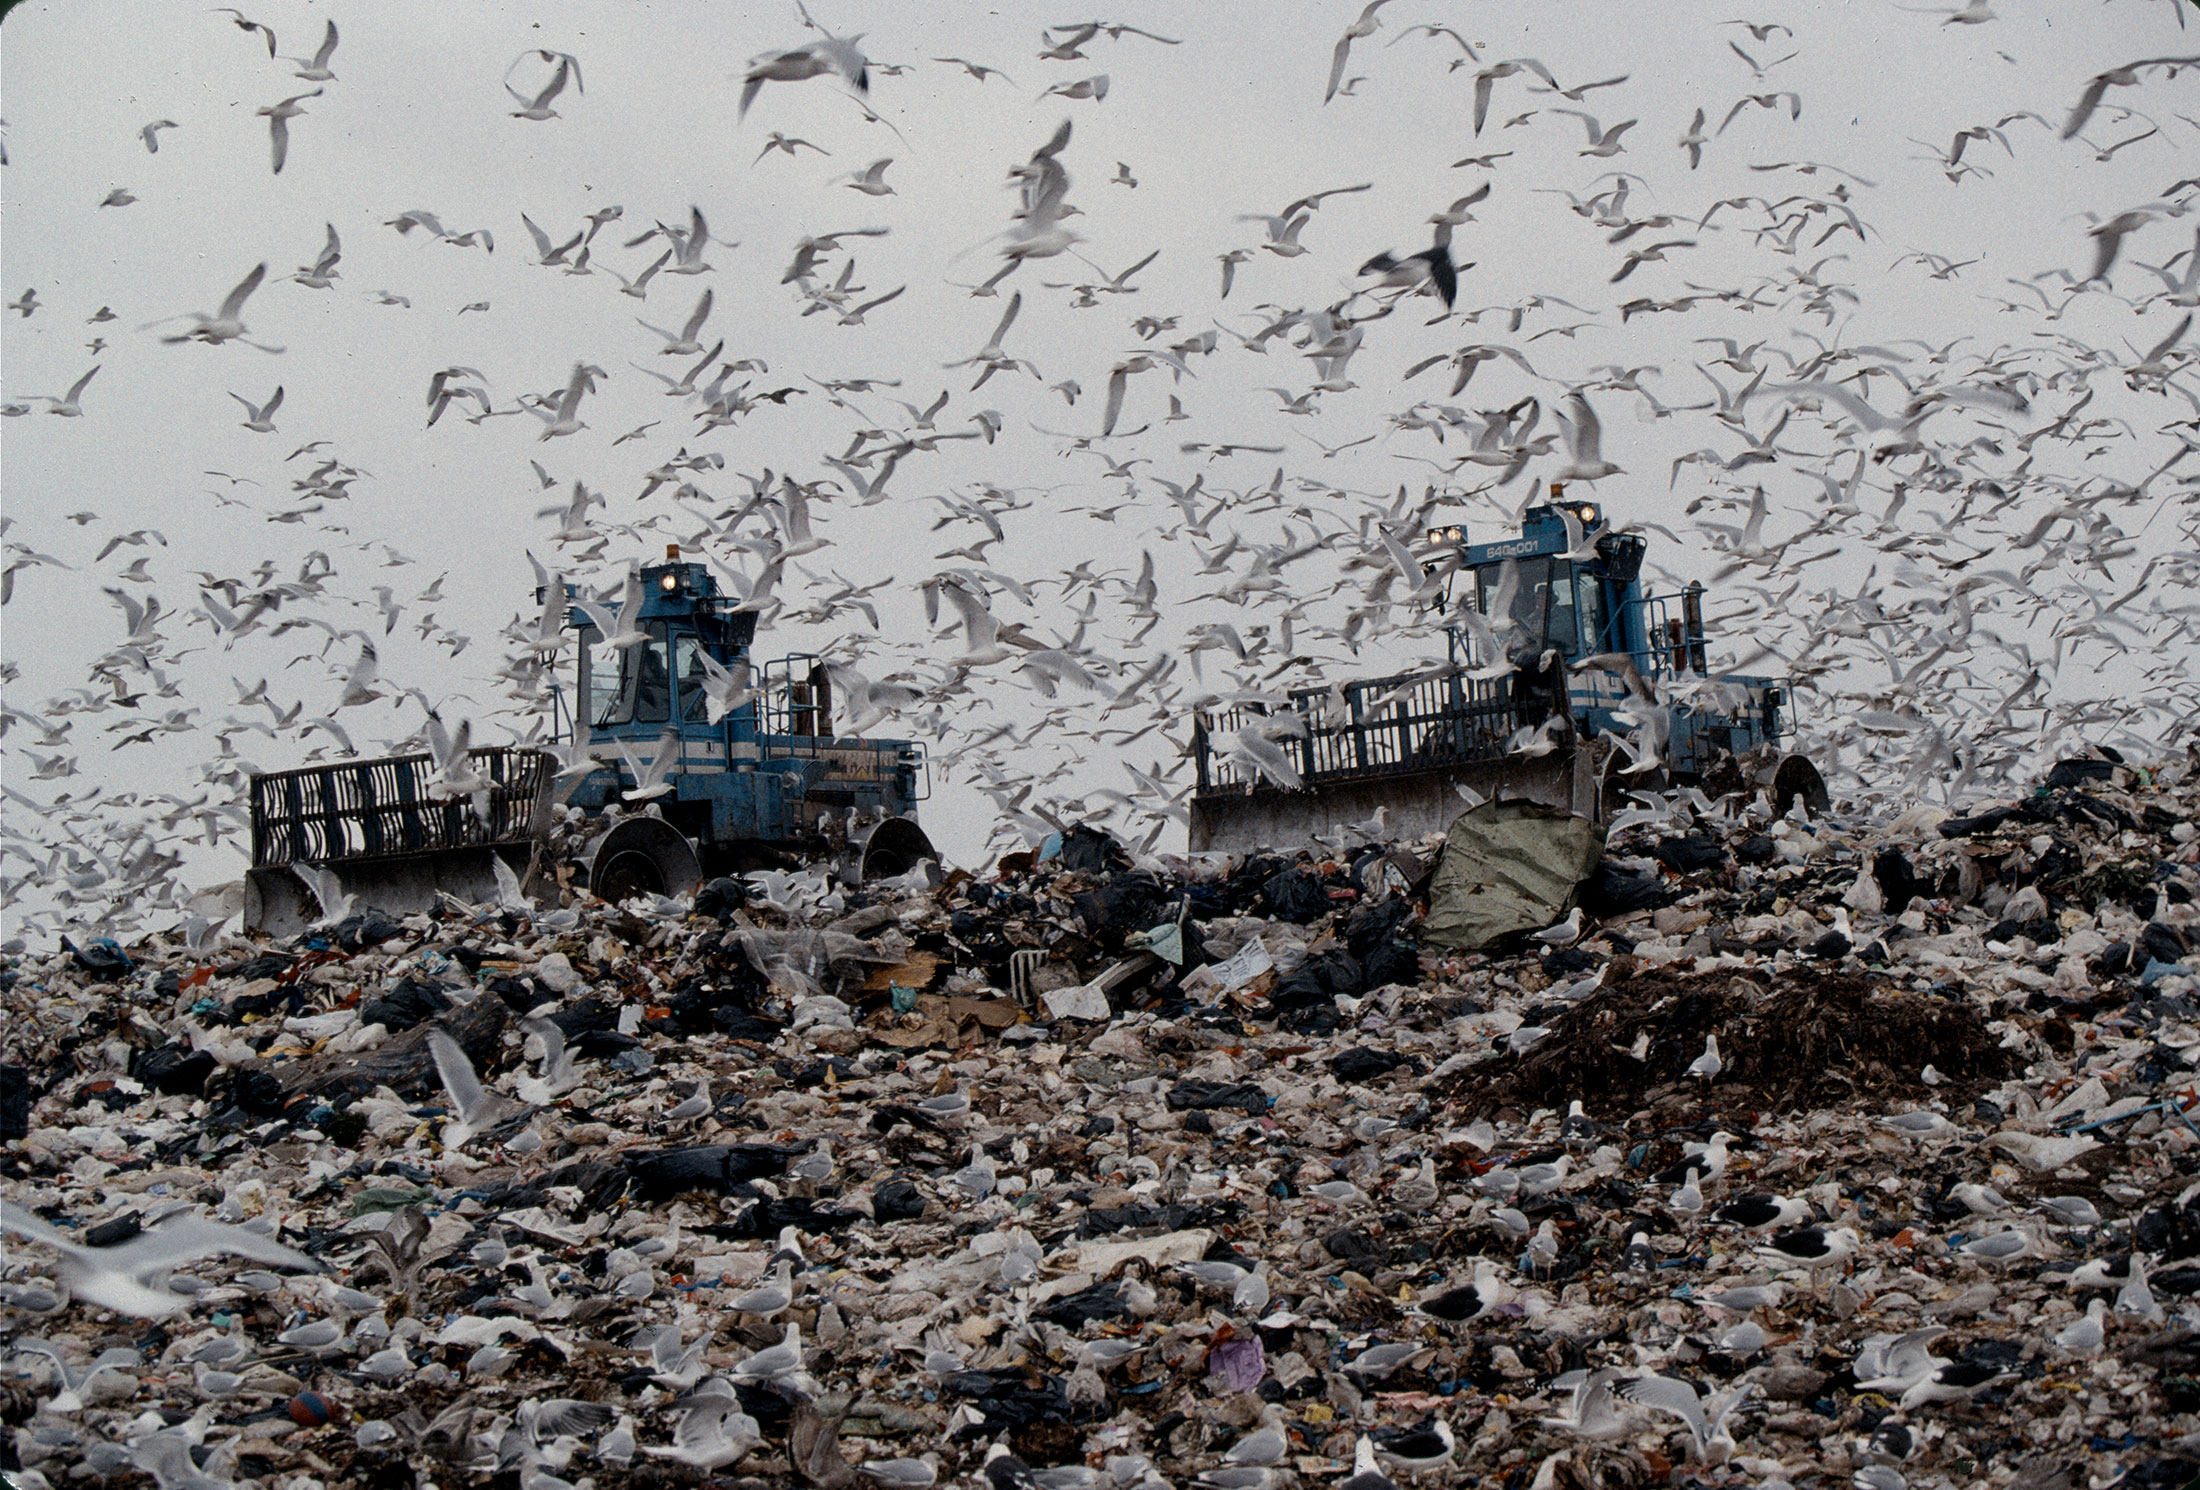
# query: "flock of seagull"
[[1964, 552]]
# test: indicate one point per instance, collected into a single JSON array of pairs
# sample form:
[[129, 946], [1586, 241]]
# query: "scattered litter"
[[1105, 1156]]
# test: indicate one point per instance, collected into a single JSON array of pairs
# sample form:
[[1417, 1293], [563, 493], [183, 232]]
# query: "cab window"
[[630, 685], [1589, 606], [1564, 629], [687, 665], [1542, 603]]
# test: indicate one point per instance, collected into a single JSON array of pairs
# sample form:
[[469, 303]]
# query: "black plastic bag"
[[1103, 1301], [1127, 903], [1612, 891], [101, 957], [367, 928], [897, 1200], [521, 995], [661, 1173], [768, 1217], [2161, 942], [266, 965], [258, 1093], [1690, 854], [589, 1016], [1982, 822], [1392, 962], [1318, 980], [1090, 850], [723, 1002], [1366, 1065], [1009, 1401], [403, 1005], [1242, 888], [15, 1103], [1353, 1248], [1372, 924], [174, 1070], [720, 898], [1296, 895], [1191, 1094], [1898, 882], [2079, 772]]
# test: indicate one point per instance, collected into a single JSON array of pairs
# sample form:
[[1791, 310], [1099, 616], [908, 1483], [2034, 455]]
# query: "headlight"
[[669, 580], [1586, 512]]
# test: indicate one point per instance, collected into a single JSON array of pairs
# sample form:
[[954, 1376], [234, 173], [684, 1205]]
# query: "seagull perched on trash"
[[1266, 1444], [2070, 1210], [1420, 1449], [1919, 1125], [947, 1105], [1564, 933], [1812, 1247], [2085, 1336], [1471, 1301], [1761, 1212], [1706, 1067], [783, 1359]]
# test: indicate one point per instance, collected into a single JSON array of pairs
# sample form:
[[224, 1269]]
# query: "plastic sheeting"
[[1507, 867]]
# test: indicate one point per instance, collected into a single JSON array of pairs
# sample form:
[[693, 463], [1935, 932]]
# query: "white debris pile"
[[801, 1181]]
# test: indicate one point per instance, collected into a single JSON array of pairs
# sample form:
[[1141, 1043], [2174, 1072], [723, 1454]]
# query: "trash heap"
[[1721, 1148]]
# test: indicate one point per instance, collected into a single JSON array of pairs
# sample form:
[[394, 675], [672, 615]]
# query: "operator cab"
[[1578, 607], [637, 690]]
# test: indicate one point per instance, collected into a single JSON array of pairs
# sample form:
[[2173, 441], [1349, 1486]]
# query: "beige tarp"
[[1507, 867]]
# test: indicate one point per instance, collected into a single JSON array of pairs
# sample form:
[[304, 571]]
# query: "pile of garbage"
[[1720, 1148]]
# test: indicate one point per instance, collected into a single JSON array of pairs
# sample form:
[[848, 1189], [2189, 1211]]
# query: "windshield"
[[626, 685], [1538, 595]]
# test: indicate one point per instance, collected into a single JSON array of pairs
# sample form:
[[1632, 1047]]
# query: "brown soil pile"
[[1809, 1039]]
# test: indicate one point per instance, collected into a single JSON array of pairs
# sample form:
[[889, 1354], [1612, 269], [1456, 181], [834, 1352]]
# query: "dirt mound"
[[1806, 1038]]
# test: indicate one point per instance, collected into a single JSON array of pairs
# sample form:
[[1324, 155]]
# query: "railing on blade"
[[1377, 727], [382, 808]]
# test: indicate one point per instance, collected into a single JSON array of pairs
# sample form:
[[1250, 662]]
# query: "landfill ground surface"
[[1128, 1172]]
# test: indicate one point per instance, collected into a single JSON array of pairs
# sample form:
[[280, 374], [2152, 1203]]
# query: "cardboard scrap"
[[914, 971], [1081, 1002], [1101, 1259], [944, 1021]]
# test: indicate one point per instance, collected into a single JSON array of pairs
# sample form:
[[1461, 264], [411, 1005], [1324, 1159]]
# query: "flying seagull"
[[278, 116], [130, 1277]]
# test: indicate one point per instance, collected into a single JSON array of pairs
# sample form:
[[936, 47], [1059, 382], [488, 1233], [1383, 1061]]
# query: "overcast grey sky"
[[1227, 121]]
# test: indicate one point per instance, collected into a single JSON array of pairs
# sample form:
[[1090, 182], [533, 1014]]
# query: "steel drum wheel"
[[894, 847], [644, 856], [1795, 777]]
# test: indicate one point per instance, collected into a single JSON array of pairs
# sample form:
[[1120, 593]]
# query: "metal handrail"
[[782, 710], [1386, 726], [377, 809]]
